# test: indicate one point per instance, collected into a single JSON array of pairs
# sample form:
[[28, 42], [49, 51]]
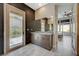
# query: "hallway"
[[64, 49], [65, 46]]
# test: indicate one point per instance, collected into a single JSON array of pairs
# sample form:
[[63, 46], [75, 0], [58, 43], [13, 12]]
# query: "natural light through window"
[[15, 30], [64, 28]]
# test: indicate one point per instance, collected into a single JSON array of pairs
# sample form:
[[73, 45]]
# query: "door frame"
[[7, 9]]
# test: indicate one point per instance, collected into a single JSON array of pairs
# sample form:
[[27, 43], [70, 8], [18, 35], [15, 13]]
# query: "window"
[[64, 28], [15, 30]]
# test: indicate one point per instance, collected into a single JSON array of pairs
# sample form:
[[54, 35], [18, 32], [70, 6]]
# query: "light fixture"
[[39, 4], [51, 16]]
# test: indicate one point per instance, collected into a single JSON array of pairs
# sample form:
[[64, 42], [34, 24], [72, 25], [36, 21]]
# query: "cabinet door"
[[46, 41], [36, 39]]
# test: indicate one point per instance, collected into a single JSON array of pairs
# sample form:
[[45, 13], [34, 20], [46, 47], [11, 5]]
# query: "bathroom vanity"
[[43, 39]]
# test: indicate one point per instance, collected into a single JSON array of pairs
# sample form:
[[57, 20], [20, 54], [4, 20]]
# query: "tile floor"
[[64, 49]]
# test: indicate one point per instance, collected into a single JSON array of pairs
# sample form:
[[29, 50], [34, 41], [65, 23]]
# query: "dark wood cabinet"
[[43, 40]]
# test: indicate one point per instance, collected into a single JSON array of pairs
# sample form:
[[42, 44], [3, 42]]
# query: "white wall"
[[62, 8], [74, 30]]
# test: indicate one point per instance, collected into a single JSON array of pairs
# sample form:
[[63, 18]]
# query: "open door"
[[14, 28]]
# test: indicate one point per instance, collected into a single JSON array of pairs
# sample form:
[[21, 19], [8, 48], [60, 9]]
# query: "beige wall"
[[45, 11]]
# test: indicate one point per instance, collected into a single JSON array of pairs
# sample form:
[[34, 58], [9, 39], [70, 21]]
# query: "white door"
[[14, 28]]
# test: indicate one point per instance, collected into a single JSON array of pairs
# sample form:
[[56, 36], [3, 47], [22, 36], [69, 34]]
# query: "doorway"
[[14, 28], [65, 35]]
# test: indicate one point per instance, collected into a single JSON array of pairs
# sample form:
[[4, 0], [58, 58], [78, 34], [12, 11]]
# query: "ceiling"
[[35, 6]]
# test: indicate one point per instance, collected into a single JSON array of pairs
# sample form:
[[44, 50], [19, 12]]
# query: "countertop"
[[45, 33]]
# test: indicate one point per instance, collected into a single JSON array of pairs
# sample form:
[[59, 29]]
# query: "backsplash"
[[35, 25]]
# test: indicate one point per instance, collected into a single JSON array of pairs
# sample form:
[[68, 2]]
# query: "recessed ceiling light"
[[51, 16], [40, 4]]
